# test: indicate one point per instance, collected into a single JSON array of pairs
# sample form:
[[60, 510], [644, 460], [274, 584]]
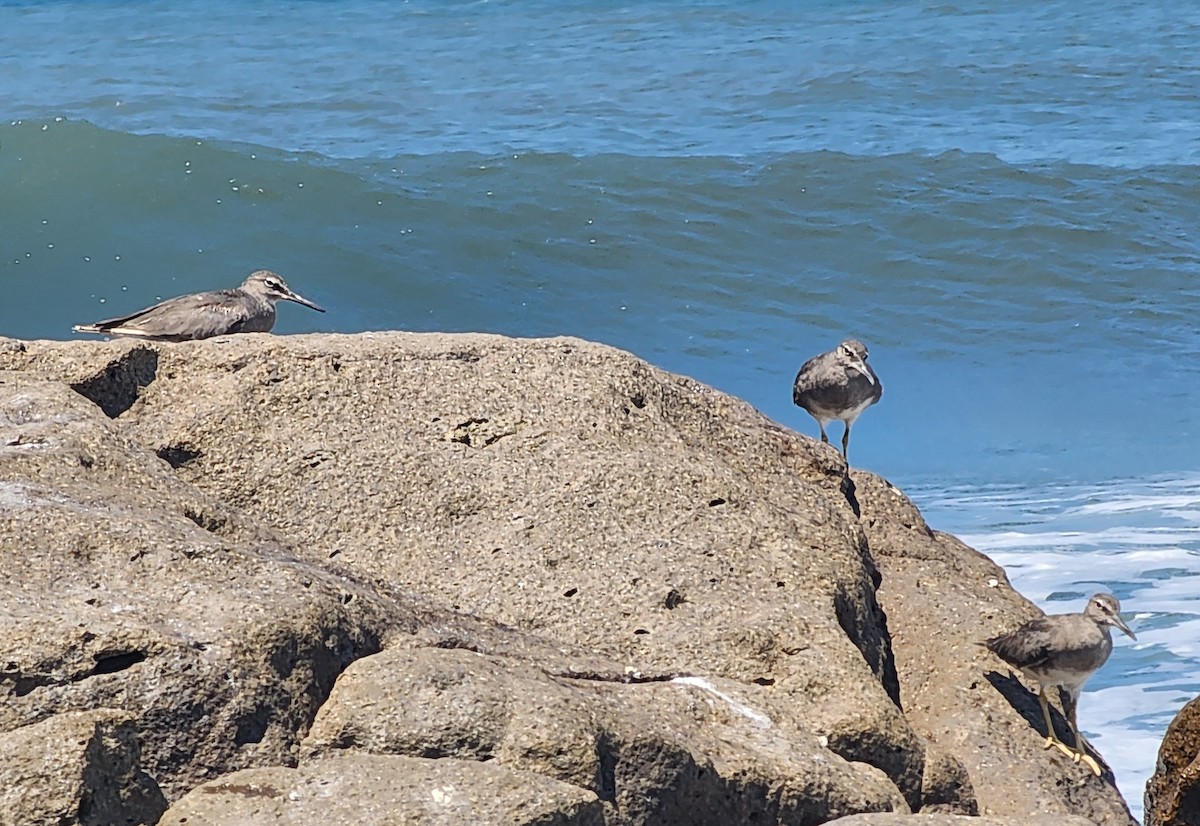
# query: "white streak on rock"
[[758, 718]]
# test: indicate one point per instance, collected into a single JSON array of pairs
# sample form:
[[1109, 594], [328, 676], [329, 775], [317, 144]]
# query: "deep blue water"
[[1000, 199]]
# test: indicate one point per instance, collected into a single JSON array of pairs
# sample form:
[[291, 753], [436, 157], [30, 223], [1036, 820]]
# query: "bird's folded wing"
[[188, 316]]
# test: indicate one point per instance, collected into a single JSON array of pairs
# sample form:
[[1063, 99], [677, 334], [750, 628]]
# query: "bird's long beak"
[[862, 368], [1120, 623], [299, 299]]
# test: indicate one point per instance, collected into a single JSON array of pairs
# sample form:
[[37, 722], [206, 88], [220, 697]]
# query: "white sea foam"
[[1080, 540]]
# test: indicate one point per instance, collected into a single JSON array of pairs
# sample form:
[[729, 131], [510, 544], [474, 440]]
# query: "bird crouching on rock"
[[249, 308], [837, 385], [1063, 650]]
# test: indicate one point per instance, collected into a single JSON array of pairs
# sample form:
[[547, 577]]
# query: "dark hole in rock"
[[251, 728], [763, 681], [608, 755], [673, 600], [212, 524], [112, 663], [22, 685], [570, 592], [457, 643], [178, 455], [641, 631], [117, 386], [712, 503], [639, 401]]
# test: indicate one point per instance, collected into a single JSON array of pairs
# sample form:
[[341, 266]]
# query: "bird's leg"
[[1051, 737], [1081, 755], [846, 441], [1071, 706], [1082, 746], [824, 437]]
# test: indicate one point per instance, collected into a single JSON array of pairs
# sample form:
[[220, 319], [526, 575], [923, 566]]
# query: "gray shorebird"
[[837, 385], [1063, 650], [249, 308]]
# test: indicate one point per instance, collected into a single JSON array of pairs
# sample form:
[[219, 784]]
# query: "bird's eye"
[[274, 285]]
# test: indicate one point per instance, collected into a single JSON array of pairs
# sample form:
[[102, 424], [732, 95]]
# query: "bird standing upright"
[[249, 308], [1064, 650], [837, 385]]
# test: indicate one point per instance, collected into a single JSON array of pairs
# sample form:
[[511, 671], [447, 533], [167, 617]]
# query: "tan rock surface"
[[125, 587], [247, 516], [370, 790]]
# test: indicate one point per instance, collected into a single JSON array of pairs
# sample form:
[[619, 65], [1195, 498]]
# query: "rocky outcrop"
[[1173, 791], [344, 560]]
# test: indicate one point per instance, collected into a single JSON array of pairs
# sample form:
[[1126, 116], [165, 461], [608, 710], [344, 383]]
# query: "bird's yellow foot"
[[1061, 746], [1076, 756]]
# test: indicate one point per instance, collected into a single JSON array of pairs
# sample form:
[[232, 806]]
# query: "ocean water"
[[1001, 199]]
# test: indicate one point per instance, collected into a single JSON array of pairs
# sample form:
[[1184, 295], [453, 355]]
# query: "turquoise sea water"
[[1000, 199]]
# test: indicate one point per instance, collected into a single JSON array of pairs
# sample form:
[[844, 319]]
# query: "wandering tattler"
[[837, 385], [1064, 650], [249, 308]]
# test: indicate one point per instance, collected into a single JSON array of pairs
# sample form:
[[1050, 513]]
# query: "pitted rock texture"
[[369, 790], [1173, 791]]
